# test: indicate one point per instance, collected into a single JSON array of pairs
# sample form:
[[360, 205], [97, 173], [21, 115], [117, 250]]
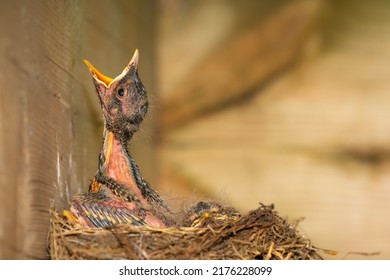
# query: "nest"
[[261, 234]]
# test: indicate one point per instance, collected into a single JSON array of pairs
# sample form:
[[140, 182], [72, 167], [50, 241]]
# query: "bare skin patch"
[[117, 165]]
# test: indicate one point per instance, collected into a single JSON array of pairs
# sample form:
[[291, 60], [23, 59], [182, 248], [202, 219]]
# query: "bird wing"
[[98, 210]]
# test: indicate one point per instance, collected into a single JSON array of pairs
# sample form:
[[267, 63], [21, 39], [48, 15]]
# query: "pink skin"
[[116, 165]]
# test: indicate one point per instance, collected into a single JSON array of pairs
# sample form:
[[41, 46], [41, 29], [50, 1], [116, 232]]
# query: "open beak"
[[107, 81]]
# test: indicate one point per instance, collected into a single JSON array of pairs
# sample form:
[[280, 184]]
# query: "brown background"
[[285, 103]]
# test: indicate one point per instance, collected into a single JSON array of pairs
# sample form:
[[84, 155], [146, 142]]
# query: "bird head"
[[123, 99]]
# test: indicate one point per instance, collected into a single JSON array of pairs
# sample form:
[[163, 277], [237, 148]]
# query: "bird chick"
[[208, 213], [118, 193]]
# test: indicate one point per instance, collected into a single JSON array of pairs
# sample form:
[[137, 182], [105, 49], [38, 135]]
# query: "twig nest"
[[214, 233]]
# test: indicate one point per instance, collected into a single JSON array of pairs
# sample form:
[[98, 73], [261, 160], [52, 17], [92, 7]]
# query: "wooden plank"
[[49, 120], [250, 58]]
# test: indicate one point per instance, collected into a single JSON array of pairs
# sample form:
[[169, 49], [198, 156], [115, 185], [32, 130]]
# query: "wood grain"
[[50, 124]]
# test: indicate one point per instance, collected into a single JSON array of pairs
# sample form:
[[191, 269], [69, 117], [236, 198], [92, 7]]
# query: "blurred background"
[[283, 102]]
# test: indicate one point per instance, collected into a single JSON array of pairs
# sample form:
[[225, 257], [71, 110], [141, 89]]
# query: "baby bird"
[[209, 213], [118, 194]]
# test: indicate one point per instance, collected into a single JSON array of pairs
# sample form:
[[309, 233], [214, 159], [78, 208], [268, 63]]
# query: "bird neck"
[[116, 162]]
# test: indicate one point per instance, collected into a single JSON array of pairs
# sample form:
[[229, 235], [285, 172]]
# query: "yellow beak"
[[97, 74], [107, 81]]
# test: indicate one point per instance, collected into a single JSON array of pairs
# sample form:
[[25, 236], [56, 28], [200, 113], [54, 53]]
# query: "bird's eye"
[[121, 92]]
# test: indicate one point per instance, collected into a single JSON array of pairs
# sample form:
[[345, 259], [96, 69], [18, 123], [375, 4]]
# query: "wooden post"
[[50, 122]]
